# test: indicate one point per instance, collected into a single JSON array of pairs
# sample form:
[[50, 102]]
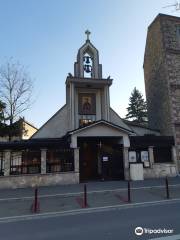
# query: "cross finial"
[[87, 32]]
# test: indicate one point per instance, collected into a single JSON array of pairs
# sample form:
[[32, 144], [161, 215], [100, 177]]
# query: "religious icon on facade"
[[87, 103]]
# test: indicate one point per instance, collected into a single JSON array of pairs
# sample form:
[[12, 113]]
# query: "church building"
[[86, 139]]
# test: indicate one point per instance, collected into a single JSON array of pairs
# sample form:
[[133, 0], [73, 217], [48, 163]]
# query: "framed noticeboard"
[[144, 156], [132, 156]]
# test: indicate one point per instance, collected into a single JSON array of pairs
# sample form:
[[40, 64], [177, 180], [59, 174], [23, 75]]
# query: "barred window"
[[162, 154], [60, 160], [16, 163], [1, 163], [25, 162]]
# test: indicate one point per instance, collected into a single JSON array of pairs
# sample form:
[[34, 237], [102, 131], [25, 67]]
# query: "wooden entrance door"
[[88, 161], [114, 169]]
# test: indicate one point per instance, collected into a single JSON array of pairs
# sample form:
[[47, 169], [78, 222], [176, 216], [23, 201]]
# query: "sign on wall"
[[105, 159], [145, 158], [132, 156]]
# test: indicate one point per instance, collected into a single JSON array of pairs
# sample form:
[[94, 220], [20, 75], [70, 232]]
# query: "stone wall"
[[162, 76], [177, 138], [155, 80], [159, 170], [22, 181]]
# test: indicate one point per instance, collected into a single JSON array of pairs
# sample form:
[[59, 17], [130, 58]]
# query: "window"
[[60, 160], [86, 120], [1, 164], [25, 162]]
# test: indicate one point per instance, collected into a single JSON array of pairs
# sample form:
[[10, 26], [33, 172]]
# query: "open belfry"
[[162, 76], [87, 140]]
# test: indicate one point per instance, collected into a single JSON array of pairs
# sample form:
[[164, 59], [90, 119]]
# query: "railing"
[[25, 162], [60, 161]]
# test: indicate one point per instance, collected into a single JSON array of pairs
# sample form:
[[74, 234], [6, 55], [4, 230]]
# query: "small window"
[[85, 120], [162, 155]]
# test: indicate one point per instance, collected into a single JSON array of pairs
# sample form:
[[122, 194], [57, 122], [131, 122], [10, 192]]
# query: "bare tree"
[[15, 89]]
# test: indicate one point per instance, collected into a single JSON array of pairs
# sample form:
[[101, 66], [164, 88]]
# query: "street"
[[108, 223]]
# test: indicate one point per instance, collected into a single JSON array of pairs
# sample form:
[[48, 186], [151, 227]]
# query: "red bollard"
[[36, 200], [167, 188], [85, 196], [129, 192], [35, 206]]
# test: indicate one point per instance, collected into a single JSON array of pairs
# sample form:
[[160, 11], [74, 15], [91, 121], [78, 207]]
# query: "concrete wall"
[[21, 181]]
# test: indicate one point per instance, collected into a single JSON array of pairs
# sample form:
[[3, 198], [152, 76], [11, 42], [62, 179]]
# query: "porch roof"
[[39, 143], [151, 140], [101, 122]]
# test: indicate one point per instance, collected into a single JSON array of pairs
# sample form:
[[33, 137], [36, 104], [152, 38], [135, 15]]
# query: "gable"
[[100, 129]]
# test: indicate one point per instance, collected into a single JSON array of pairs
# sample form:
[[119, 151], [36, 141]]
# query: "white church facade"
[[86, 139]]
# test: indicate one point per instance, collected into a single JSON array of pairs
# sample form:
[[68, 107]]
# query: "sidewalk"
[[15, 202]]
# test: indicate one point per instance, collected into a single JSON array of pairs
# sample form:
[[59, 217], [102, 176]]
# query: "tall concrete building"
[[162, 76]]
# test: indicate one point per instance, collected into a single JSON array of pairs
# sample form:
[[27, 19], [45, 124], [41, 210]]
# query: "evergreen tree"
[[137, 107]]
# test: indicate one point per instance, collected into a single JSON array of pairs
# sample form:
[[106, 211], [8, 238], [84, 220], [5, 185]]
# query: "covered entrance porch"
[[100, 158], [101, 151]]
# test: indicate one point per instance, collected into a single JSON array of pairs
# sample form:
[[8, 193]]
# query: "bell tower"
[[87, 92], [87, 65]]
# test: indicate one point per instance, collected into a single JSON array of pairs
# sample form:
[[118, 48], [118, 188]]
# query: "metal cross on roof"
[[87, 32]]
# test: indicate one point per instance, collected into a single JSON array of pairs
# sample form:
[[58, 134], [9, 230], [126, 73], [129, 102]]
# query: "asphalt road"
[[103, 224]]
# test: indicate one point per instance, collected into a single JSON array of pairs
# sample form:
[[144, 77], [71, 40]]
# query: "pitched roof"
[[141, 125], [35, 144], [98, 122]]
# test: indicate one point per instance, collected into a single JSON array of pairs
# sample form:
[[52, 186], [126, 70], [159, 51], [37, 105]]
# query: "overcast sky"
[[45, 35]]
